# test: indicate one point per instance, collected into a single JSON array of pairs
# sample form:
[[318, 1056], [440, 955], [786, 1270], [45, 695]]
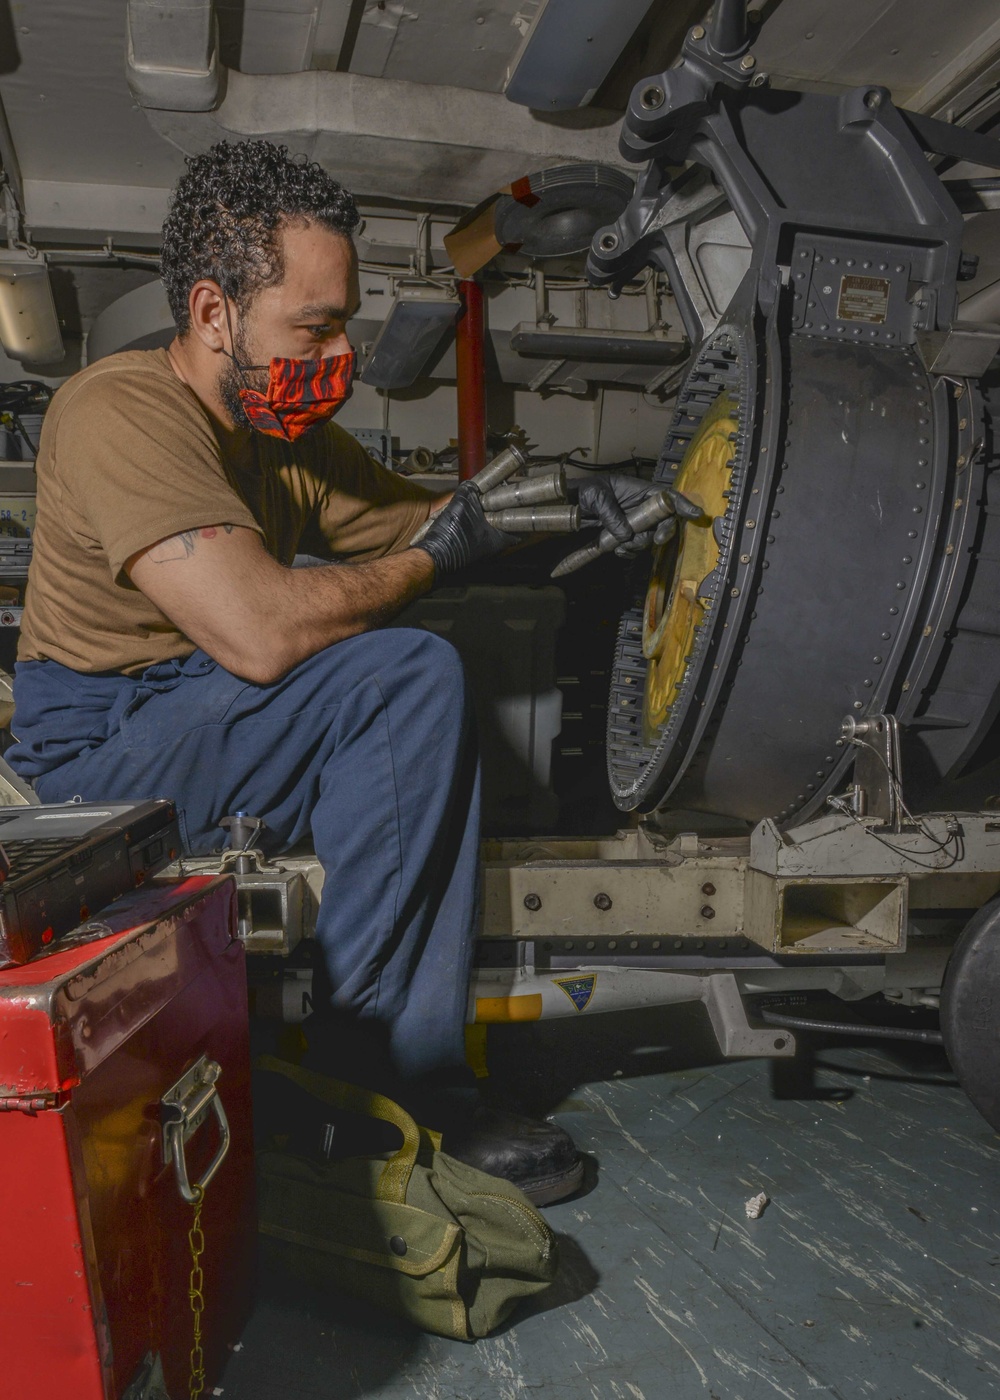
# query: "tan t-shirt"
[[129, 456]]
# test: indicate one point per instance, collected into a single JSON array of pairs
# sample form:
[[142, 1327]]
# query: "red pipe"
[[470, 338]]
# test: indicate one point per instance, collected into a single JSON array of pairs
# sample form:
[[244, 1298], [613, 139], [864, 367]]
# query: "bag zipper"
[[530, 1214]]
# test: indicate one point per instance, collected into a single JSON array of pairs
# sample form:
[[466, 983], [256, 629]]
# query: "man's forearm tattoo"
[[182, 546]]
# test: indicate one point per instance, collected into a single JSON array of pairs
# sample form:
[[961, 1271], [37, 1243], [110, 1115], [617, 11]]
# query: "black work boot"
[[533, 1154]]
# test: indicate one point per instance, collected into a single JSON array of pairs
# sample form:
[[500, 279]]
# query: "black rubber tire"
[[970, 1011]]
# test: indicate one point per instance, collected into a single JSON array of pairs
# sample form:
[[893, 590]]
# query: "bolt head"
[[532, 902], [707, 912], [747, 62], [602, 901], [698, 32]]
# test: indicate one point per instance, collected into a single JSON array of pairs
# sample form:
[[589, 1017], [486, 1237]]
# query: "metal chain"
[[196, 1283]]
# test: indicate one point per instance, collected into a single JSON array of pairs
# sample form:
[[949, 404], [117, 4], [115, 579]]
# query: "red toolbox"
[[124, 1084]]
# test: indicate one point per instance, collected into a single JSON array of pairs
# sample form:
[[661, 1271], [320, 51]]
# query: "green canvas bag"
[[435, 1241]]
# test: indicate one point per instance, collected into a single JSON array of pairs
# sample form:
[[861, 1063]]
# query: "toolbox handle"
[[185, 1108]]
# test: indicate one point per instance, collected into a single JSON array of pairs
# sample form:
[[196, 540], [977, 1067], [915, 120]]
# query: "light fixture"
[[29, 327], [411, 332], [569, 50]]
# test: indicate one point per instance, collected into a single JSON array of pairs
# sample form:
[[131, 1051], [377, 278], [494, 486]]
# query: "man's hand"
[[607, 497], [460, 535]]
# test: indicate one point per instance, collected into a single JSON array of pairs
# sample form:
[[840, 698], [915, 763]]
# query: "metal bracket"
[[274, 906], [242, 829], [183, 1109], [276, 903], [242, 862], [966, 350], [733, 1031], [878, 768]]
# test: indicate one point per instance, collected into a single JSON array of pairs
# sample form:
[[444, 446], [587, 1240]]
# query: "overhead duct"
[[173, 54], [288, 45], [452, 145], [569, 50]]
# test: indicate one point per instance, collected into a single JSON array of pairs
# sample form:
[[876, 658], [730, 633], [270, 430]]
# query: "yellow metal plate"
[[675, 606]]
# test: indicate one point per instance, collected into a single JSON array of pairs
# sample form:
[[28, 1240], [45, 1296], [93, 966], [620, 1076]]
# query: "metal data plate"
[[863, 299], [851, 287]]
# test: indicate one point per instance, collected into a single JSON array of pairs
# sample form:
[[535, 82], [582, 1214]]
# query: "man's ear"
[[207, 310]]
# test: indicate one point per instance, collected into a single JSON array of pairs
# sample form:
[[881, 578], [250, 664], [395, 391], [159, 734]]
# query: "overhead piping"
[[453, 144]]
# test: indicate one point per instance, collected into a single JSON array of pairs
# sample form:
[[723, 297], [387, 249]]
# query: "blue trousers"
[[367, 747]]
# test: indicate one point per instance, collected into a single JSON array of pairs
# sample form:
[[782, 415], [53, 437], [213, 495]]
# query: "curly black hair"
[[226, 212]]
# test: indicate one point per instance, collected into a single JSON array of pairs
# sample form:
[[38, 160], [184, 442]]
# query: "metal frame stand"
[[865, 899]]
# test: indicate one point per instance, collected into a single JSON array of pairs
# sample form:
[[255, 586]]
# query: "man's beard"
[[232, 380]]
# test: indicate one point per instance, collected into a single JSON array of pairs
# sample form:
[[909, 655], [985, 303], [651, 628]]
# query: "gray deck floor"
[[874, 1271]]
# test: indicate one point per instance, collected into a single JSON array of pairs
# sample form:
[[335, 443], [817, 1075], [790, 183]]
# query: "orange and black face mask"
[[300, 395]]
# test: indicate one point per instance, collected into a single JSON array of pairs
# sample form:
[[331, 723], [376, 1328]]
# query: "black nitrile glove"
[[459, 535], [606, 498]]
